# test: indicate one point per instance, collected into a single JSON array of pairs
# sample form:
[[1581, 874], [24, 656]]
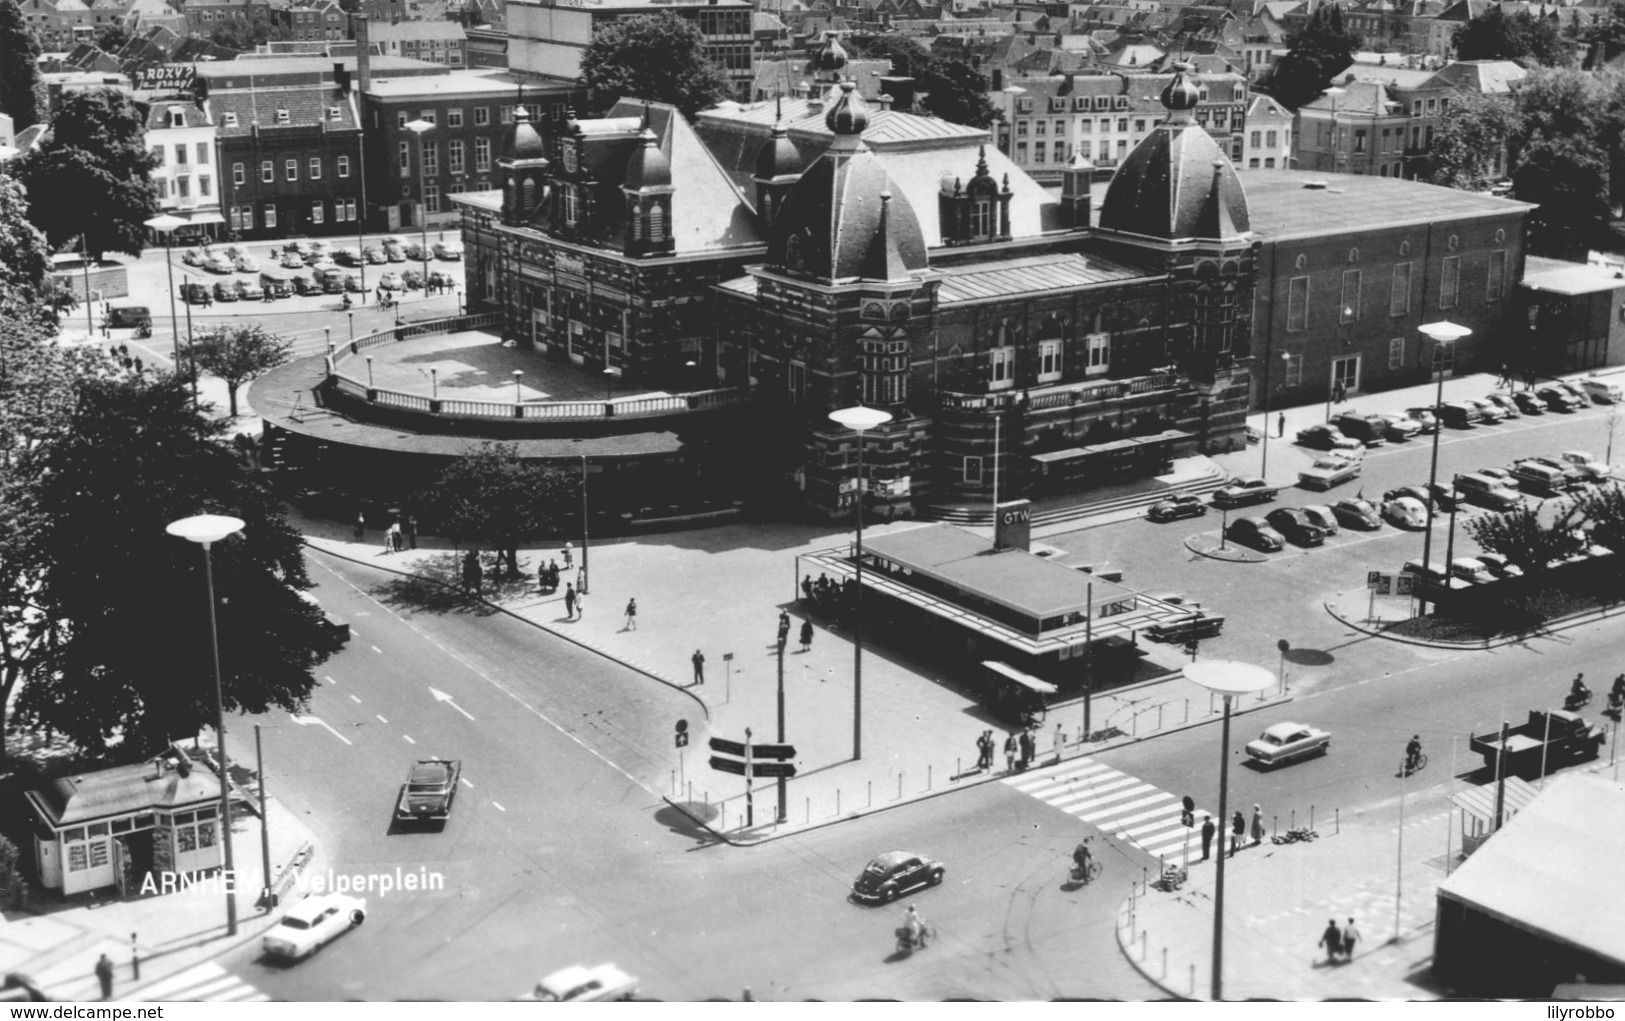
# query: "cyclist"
[[1082, 857], [916, 927], [1618, 691], [1413, 753]]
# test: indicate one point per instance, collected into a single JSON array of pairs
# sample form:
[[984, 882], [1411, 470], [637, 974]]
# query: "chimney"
[[363, 53], [901, 91], [341, 77]]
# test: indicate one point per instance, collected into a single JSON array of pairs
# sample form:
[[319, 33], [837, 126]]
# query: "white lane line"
[[328, 679], [307, 720], [465, 783], [1031, 783], [380, 718], [498, 806], [1097, 790], [1066, 781], [377, 650], [357, 701], [408, 738], [1110, 814]]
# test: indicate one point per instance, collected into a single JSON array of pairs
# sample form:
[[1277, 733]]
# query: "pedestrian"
[[568, 553], [984, 749], [807, 588], [1238, 830], [1280, 425], [392, 537], [806, 635], [360, 525], [1342, 393], [1208, 830], [569, 602], [1026, 746], [1059, 742], [1351, 936], [784, 628], [1332, 940], [1258, 825], [1506, 377], [699, 666], [1010, 753], [472, 575], [409, 525], [631, 616], [104, 975], [137, 361], [581, 604]]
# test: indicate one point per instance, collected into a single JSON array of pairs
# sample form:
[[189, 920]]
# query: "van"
[[1486, 492], [277, 283], [1433, 575], [1372, 430], [121, 316], [1602, 391], [1541, 478]]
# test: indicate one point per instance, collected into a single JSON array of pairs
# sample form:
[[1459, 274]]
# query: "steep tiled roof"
[[1485, 77], [1357, 97], [1385, 74], [307, 107]]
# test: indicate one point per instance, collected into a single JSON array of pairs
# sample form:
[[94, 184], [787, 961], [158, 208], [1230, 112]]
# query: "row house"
[[317, 21], [203, 16], [180, 133], [60, 25], [439, 42]]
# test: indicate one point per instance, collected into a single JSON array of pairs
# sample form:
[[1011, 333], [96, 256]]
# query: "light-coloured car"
[[1400, 425], [391, 281], [416, 251], [1498, 565], [246, 263], [322, 262], [194, 257], [250, 290], [1603, 391], [450, 250], [1468, 569], [394, 253], [292, 260], [1321, 516], [1425, 418], [1285, 742], [581, 984], [1329, 470], [1405, 512], [1506, 402], [1587, 464], [1357, 513], [1488, 411], [301, 246], [374, 255], [218, 264], [313, 922]]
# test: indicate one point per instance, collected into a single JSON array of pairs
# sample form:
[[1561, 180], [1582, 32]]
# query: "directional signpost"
[[751, 760], [681, 739]]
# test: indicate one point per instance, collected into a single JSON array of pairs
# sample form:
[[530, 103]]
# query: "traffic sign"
[[1187, 814], [682, 733], [728, 765], [772, 751], [727, 747], [771, 768]]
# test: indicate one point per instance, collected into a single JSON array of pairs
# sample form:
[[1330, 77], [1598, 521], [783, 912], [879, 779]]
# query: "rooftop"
[[401, 31], [1282, 207], [1558, 277], [122, 790], [494, 81], [1039, 273], [236, 73]]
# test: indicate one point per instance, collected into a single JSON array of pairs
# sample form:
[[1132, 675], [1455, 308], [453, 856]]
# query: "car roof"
[[1285, 728], [1408, 502], [310, 907]]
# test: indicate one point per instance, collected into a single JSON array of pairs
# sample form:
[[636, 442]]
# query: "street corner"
[[1213, 546], [1356, 610]]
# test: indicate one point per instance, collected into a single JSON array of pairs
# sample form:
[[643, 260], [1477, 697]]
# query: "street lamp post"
[[1230, 679], [418, 127], [516, 374], [165, 225], [585, 546], [1441, 333], [434, 382], [1264, 443], [859, 419], [206, 530]]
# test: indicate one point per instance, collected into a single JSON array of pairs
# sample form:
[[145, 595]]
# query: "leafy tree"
[[122, 657], [237, 353], [1604, 510], [12, 884], [658, 57], [1607, 35], [1521, 537], [1496, 35], [1568, 178], [492, 498], [25, 255], [1472, 133], [909, 57], [112, 38], [92, 176], [244, 34], [22, 92], [957, 92], [1316, 52]]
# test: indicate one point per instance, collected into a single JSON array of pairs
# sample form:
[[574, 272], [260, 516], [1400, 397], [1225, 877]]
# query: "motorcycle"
[[1577, 701], [1615, 704], [143, 329]]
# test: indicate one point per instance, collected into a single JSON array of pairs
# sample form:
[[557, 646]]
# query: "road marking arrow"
[[440, 696], [305, 721]]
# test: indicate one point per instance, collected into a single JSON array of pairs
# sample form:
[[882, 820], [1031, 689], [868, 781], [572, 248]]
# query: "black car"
[[1528, 403], [1255, 532], [1444, 498], [1295, 525], [1357, 513], [894, 873], [1186, 628], [1184, 505], [1558, 399]]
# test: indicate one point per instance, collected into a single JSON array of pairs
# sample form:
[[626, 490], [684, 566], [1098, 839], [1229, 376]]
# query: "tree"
[[1472, 135], [1496, 35], [12, 884], [1521, 537], [123, 659], [22, 92], [236, 354], [92, 176], [25, 255], [1316, 52], [245, 34], [1606, 36], [909, 57], [112, 38], [1561, 156], [658, 57], [957, 92], [493, 499]]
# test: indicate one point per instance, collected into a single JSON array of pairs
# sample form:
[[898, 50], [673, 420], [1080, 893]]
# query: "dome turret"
[[831, 57], [522, 141], [778, 156], [850, 114], [648, 167]]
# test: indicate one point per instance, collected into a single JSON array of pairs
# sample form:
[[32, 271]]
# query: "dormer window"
[[1122, 103], [177, 117], [230, 119], [1080, 102], [1024, 104], [282, 116], [1102, 102], [981, 220], [333, 113]]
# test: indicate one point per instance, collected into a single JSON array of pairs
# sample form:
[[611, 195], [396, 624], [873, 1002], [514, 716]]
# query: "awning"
[[1479, 802], [1025, 680]]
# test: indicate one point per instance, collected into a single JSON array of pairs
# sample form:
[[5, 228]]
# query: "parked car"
[[579, 984], [346, 255], [218, 263], [312, 923], [250, 290], [305, 283], [1487, 492], [1321, 517], [1180, 505], [1327, 437], [429, 790], [1400, 425], [1425, 418], [893, 873], [375, 256], [1186, 627], [299, 245], [1573, 390], [1498, 565], [1457, 414], [1558, 399], [194, 257], [1244, 490], [1445, 499], [393, 253], [1329, 470], [1603, 391], [1488, 411], [1295, 525], [332, 281], [194, 293], [1472, 571], [1551, 475], [1285, 742], [413, 278], [1596, 470], [352, 283], [415, 250], [1372, 430], [1528, 403], [1417, 493], [1357, 513], [291, 260], [1506, 477], [1433, 573], [1506, 402], [390, 281], [1257, 533], [246, 263], [450, 250], [1405, 512], [225, 290]]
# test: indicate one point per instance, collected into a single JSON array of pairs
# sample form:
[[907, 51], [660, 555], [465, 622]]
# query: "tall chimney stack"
[[363, 54]]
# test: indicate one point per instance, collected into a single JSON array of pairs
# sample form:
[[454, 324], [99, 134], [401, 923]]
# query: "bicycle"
[[1080, 875], [1420, 763], [905, 941]]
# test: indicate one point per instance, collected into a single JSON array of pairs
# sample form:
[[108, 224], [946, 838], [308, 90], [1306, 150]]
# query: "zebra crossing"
[[1119, 805], [206, 981]]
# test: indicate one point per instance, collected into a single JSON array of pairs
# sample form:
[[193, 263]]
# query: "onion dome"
[[850, 114], [778, 156], [831, 57], [522, 141], [1182, 94], [648, 167]]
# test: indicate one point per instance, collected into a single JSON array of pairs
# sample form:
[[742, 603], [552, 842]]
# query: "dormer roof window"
[[334, 113], [177, 117], [282, 116], [231, 119]]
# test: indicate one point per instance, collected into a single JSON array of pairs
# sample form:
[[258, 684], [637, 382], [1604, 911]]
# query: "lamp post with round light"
[[1230, 679], [516, 374], [1442, 333], [418, 127], [859, 419], [166, 224], [206, 530]]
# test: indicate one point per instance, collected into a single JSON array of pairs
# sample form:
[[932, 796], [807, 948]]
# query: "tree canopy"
[[245, 34], [237, 352], [1316, 52], [112, 38], [909, 57], [25, 255], [957, 92], [1472, 133], [492, 498], [1497, 35], [658, 57], [92, 175], [22, 91]]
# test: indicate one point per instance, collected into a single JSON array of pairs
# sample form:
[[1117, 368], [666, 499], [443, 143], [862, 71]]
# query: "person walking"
[[699, 666], [1351, 936], [569, 601], [392, 537], [1058, 742], [784, 628], [806, 635], [104, 975], [631, 616], [1010, 747], [581, 605], [1238, 830], [409, 526], [1280, 425], [1027, 749], [984, 749], [1258, 825], [1332, 940], [472, 575], [569, 554], [807, 588], [360, 526], [1208, 830]]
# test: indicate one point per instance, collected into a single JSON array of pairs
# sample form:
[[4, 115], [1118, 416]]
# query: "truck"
[[1244, 490], [430, 787], [1552, 738]]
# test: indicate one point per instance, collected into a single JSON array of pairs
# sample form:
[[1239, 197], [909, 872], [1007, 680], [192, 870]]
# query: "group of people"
[[121, 353], [400, 533], [1238, 832], [1020, 746], [784, 631], [1339, 941], [825, 591], [547, 577]]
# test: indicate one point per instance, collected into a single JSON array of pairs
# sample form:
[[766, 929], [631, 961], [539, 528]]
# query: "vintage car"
[[1256, 533], [1405, 512], [391, 281], [291, 260], [1327, 437], [450, 250], [1321, 516], [1425, 418], [246, 263], [1528, 403], [1330, 470], [374, 255], [225, 290], [218, 263], [1287, 741], [1186, 627], [1400, 425], [581, 984], [1357, 513], [1472, 570], [1583, 461], [1498, 565], [1506, 402], [313, 922], [1247, 489], [1181, 505], [429, 790], [895, 872], [1559, 399]]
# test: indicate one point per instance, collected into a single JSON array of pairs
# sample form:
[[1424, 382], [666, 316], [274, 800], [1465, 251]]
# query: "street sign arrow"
[[727, 747], [728, 765], [771, 768]]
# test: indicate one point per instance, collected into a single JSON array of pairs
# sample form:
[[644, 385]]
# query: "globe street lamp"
[[1442, 333], [1231, 679], [418, 127], [205, 530], [516, 374], [859, 419], [165, 225]]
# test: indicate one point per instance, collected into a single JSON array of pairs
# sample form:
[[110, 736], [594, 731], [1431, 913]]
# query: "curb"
[[1557, 624], [1126, 945], [1243, 555]]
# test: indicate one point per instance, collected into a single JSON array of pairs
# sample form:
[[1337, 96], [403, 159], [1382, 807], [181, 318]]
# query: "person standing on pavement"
[[392, 537], [360, 525], [1027, 748], [806, 635], [1059, 742], [807, 588], [104, 975], [631, 616], [409, 526], [1238, 830], [1351, 936], [1258, 825], [1280, 425], [984, 749], [1332, 940], [1208, 830], [1010, 753], [784, 627], [569, 601], [699, 666], [569, 555], [581, 605], [471, 572]]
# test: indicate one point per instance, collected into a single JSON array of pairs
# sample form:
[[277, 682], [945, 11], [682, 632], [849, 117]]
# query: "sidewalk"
[[1278, 899], [169, 933]]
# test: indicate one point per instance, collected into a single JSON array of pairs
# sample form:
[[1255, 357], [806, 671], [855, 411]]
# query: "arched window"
[[981, 220], [528, 193], [657, 222], [637, 221]]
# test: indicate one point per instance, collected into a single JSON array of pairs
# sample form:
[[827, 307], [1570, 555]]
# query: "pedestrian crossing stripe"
[[204, 982], [1119, 805]]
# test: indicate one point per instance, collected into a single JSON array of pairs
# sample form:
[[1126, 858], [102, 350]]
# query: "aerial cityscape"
[[1055, 482]]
